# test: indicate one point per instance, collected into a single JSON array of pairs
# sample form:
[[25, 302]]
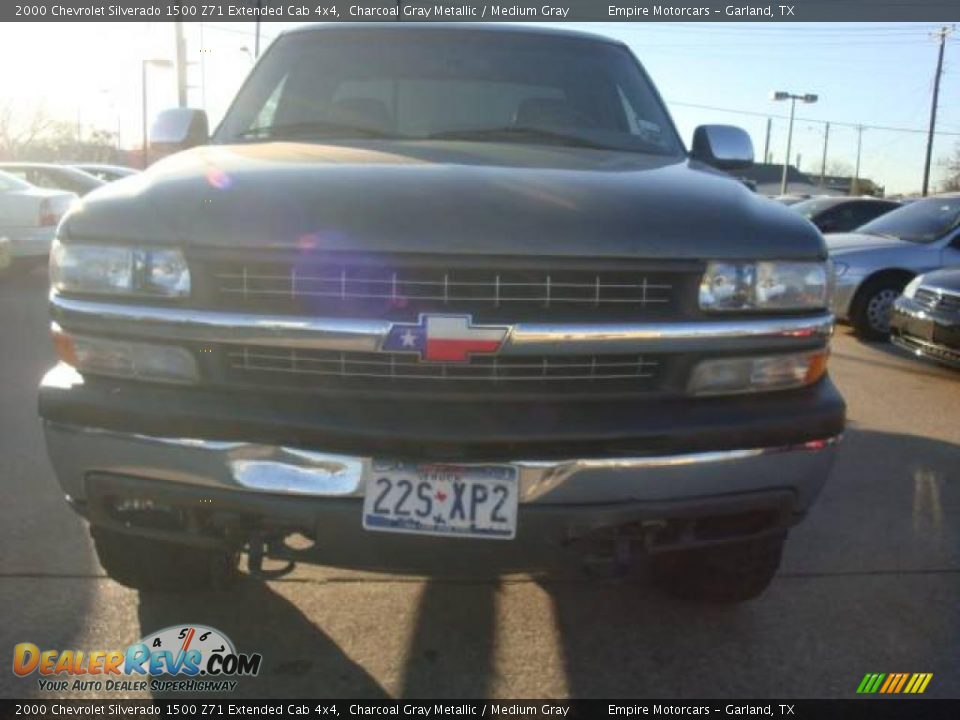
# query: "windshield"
[[922, 221], [451, 85], [813, 206], [9, 182]]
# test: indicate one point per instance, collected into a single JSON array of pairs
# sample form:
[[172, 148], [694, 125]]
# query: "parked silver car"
[[875, 263], [28, 220]]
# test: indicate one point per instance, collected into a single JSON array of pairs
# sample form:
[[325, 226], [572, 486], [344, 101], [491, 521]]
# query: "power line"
[[814, 120]]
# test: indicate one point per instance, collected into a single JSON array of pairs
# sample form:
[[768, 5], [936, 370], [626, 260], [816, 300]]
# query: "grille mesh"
[[290, 366], [935, 300], [375, 290]]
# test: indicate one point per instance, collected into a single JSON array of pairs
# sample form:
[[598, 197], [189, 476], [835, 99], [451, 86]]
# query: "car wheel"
[[870, 314], [147, 564], [729, 573]]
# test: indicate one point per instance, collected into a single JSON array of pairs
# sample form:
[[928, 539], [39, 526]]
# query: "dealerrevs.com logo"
[[181, 658]]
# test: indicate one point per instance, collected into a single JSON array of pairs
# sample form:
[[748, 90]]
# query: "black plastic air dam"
[[414, 428]]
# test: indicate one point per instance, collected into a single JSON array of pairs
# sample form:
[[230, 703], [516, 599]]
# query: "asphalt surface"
[[870, 582]]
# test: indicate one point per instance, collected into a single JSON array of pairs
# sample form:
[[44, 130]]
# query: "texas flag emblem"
[[445, 338]]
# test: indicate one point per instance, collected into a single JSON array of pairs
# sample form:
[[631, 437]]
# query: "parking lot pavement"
[[870, 582]]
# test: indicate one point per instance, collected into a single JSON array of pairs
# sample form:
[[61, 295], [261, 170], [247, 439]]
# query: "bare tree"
[[951, 182], [16, 136], [839, 168]]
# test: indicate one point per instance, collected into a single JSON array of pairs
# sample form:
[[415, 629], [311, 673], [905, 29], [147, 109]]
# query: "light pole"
[[779, 95], [156, 62]]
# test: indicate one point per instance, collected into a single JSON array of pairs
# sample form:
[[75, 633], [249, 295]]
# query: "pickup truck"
[[440, 298]]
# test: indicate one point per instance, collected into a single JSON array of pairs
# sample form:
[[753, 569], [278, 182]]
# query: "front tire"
[[870, 313], [147, 564], [729, 573]]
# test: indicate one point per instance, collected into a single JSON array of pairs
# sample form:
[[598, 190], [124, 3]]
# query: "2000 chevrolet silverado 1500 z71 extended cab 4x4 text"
[[436, 295]]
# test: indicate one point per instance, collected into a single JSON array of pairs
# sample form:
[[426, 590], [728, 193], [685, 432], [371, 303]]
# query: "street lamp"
[[778, 96], [155, 62]]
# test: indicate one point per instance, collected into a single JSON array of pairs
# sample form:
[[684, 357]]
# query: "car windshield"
[[444, 85], [813, 206], [922, 221], [9, 182]]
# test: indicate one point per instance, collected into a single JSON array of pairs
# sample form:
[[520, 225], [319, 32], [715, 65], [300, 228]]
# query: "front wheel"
[[147, 564], [728, 573], [871, 310]]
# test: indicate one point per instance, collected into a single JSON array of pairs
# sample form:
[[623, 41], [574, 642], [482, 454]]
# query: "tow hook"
[[260, 547], [617, 563]]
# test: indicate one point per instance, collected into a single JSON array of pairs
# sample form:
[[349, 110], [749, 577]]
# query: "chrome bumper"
[[248, 467]]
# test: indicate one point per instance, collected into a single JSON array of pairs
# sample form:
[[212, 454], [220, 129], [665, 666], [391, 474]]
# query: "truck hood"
[[443, 197]]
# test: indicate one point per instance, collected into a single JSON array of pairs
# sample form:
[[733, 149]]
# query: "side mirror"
[[178, 129], [723, 146]]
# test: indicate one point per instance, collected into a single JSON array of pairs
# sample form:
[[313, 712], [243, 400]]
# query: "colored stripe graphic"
[[894, 683]]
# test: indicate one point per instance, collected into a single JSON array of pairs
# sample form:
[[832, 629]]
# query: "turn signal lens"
[[758, 374], [134, 360]]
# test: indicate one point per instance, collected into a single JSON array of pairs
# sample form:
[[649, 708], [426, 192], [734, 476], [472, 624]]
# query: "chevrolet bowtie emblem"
[[445, 338]]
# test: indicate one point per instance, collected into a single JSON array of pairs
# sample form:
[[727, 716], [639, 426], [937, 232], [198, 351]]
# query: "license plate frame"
[[457, 509]]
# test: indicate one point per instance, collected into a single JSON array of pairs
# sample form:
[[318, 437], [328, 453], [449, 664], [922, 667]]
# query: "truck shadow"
[[299, 660], [869, 580]]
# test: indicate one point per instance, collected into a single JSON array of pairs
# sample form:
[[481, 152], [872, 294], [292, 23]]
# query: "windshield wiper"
[[520, 133], [314, 127]]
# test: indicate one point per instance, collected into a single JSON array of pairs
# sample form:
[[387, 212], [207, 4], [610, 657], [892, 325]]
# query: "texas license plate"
[[477, 501]]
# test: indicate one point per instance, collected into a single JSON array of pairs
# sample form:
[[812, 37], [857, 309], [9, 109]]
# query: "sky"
[[874, 74]]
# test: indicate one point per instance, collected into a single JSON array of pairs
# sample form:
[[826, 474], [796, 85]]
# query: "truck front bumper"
[[226, 493], [694, 474]]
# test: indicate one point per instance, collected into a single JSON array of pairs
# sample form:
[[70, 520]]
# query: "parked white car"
[[28, 219]]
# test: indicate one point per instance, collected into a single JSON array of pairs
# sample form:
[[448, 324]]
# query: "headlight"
[[911, 289], [119, 358], [723, 376], [117, 270], [765, 286]]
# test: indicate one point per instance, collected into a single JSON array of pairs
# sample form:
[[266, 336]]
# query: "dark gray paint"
[[444, 197]]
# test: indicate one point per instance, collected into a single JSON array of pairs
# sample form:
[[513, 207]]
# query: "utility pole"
[[181, 65], [256, 38], [855, 185], [942, 34], [203, 71], [766, 143], [823, 162]]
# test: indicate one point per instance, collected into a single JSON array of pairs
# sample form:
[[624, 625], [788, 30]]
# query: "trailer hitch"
[[260, 546]]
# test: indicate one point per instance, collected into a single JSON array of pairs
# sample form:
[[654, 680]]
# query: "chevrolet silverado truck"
[[435, 297]]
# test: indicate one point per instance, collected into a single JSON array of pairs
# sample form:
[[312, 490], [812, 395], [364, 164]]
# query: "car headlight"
[[911, 289], [765, 286], [118, 270]]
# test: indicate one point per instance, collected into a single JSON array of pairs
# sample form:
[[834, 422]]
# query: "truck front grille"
[[935, 300], [482, 373], [398, 291]]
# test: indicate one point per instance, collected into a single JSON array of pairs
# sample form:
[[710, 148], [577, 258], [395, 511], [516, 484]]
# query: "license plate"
[[478, 501]]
